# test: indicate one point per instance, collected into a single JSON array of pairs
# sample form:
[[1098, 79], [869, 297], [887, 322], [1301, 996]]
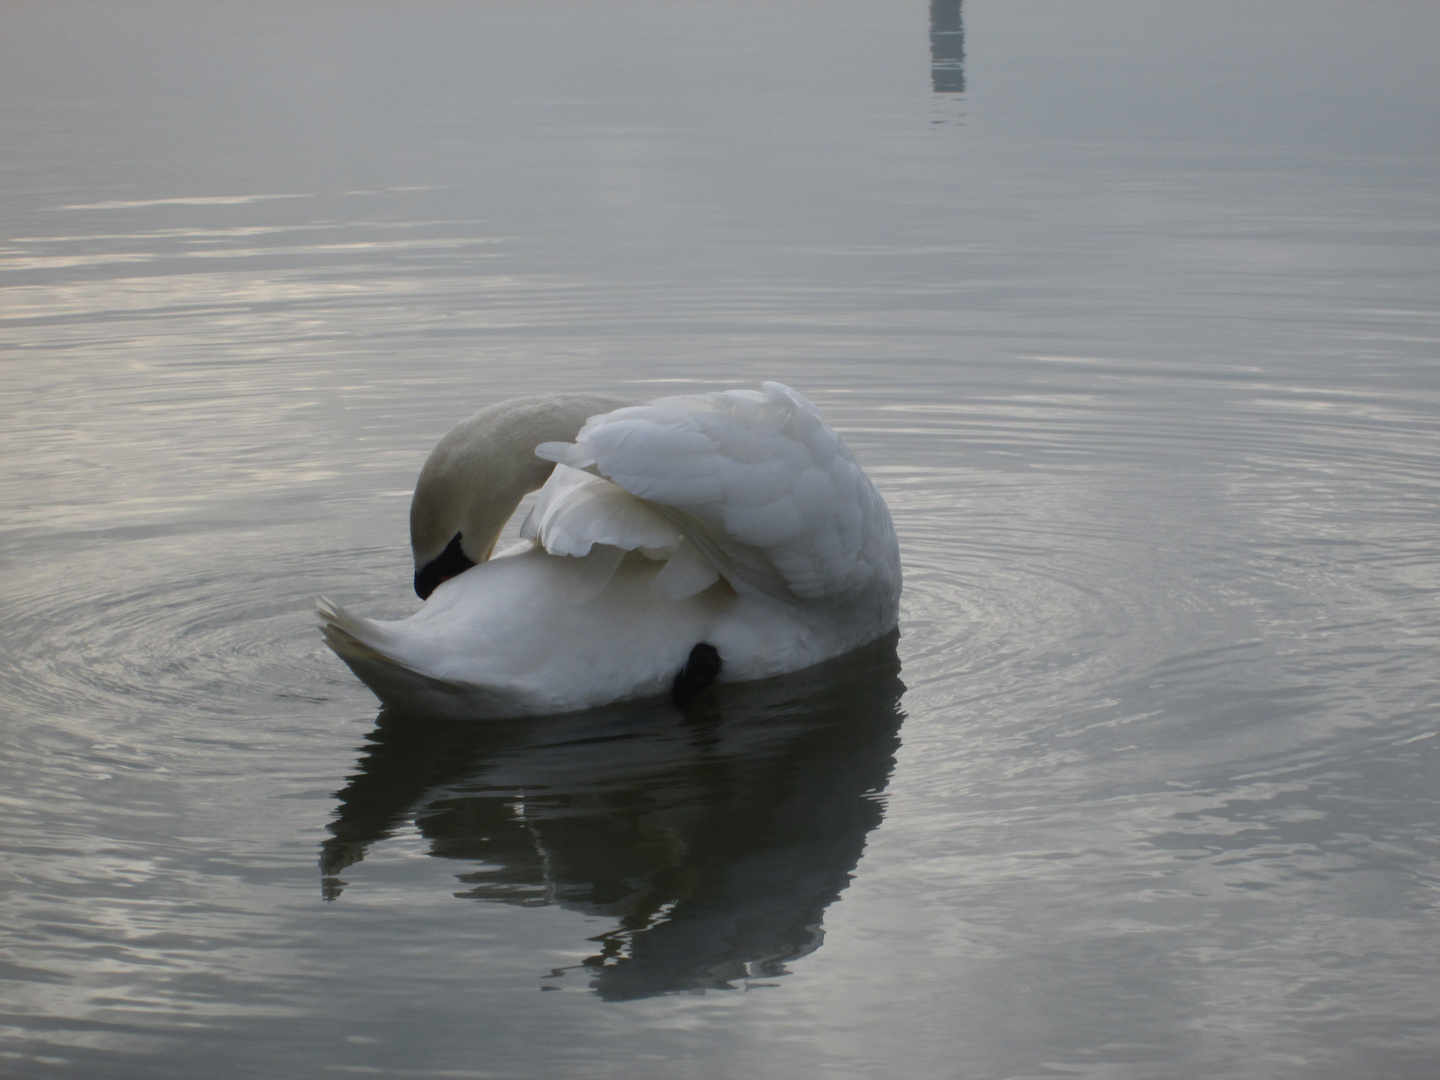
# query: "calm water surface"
[[1130, 311]]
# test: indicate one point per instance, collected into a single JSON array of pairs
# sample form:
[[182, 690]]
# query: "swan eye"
[[443, 567]]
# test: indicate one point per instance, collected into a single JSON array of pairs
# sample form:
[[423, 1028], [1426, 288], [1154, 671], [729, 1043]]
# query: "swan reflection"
[[715, 838]]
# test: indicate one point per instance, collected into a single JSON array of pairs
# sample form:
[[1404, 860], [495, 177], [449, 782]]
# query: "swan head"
[[478, 473]]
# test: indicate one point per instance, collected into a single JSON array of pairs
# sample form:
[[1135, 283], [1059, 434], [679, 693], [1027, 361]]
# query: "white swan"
[[725, 536]]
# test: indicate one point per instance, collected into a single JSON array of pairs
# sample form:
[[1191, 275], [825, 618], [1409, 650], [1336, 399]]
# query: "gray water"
[[1130, 310]]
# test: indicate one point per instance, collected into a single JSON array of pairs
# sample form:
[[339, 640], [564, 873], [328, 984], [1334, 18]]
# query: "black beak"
[[443, 567]]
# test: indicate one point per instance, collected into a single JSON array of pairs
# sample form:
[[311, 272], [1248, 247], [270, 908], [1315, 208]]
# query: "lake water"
[[1132, 311]]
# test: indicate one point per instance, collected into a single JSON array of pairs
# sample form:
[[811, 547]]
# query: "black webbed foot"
[[700, 670]]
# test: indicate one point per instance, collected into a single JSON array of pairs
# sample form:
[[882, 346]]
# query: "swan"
[[726, 536]]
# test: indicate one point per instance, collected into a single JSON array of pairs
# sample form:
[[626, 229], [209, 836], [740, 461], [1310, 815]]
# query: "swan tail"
[[364, 647], [350, 634]]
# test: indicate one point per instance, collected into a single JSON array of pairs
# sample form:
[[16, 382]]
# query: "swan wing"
[[576, 510], [754, 479]]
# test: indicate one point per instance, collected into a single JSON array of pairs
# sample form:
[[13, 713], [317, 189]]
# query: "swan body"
[[734, 521]]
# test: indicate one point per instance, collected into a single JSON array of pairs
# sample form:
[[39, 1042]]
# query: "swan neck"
[[478, 473]]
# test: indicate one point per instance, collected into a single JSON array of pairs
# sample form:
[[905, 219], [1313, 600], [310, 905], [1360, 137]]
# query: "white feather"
[[576, 510], [686, 573]]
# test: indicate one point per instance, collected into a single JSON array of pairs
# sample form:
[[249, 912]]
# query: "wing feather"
[[576, 510], [754, 478]]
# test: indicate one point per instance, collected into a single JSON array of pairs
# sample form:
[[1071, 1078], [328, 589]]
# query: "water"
[[1130, 311]]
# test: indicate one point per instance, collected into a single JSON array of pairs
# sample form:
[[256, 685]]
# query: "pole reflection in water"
[[716, 838], [947, 47]]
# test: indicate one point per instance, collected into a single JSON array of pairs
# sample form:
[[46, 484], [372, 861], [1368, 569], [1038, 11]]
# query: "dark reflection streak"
[[715, 838], [947, 47]]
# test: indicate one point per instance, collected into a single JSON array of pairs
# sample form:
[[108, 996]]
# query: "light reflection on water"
[[1142, 357]]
